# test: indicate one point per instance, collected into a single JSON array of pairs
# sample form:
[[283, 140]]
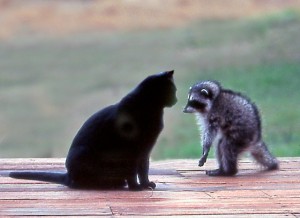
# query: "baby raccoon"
[[232, 117]]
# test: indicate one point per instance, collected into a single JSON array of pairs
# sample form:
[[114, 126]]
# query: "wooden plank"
[[222, 216], [100, 195], [291, 193], [182, 189], [53, 210], [211, 206], [57, 207]]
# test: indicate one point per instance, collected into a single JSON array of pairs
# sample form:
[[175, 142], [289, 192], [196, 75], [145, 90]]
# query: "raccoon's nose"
[[186, 109]]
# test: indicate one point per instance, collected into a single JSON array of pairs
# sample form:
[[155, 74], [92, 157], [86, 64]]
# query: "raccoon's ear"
[[205, 93]]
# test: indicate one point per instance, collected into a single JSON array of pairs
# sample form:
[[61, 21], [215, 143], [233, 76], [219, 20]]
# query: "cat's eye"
[[204, 92]]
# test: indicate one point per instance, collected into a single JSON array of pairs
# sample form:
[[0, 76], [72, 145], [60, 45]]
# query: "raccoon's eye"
[[205, 93]]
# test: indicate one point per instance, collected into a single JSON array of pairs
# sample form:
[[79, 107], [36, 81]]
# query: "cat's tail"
[[59, 178]]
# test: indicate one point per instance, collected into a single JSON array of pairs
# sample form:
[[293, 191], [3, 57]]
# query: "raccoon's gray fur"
[[232, 117]]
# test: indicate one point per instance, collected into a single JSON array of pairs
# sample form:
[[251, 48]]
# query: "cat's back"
[[96, 126]]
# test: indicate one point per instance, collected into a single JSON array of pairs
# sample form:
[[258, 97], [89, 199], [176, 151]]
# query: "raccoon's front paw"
[[202, 161], [216, 172], [273, 166]]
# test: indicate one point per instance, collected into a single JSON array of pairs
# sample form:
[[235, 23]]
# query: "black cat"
[[113, 146]]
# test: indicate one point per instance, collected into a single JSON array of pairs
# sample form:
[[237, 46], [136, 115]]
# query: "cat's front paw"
[[135, 187], [150, 185]]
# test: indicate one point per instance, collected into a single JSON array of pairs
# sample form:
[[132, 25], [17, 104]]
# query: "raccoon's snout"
[[196, 104], [186, 110]]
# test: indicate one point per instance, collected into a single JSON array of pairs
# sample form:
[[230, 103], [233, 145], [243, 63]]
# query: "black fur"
[[113, 146]]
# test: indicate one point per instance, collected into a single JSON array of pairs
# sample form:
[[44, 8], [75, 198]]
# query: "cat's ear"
[[169, 74]]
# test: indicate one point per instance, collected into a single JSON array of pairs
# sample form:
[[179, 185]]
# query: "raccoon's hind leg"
[[263, 156], [227, 156]]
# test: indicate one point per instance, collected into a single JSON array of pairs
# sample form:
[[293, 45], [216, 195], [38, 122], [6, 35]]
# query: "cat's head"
[[160, 89]]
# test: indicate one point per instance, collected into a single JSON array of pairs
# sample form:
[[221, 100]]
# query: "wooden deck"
[[182, 189]]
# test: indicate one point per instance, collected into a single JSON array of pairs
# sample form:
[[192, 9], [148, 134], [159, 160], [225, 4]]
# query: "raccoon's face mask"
[[197, 102], [200, 98]]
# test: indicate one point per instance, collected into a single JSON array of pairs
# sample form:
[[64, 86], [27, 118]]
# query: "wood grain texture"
[[183, 189]]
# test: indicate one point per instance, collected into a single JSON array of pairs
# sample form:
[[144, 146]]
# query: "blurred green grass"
[[49, 86]]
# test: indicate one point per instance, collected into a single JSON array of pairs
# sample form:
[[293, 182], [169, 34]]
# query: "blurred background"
[[61, 61]]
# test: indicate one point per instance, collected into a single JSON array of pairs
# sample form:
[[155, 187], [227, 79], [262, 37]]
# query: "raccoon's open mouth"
[[193, 106]]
